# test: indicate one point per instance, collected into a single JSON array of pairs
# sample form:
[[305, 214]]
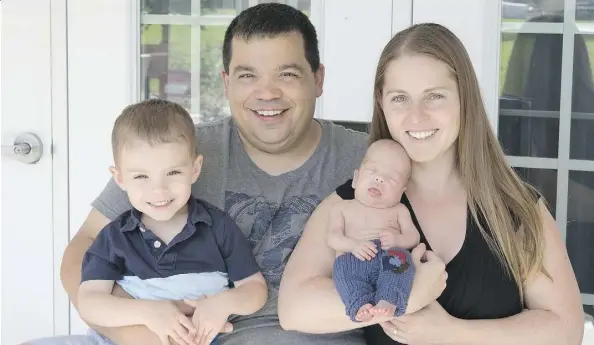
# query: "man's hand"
[[209, 319]]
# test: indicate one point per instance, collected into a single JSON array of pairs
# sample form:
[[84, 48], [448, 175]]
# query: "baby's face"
[[382, 177], [158, 178]]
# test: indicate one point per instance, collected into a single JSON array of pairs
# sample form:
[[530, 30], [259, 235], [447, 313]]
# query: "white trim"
[[195, 20], [580, 165], [532, 162], [545, 114], [547, 28], [402, 15], [59, 151], [317, 14], [490, 73], [134, 58], [585, 28], [549, 163], [565, 120], [531, 28], [195, 61], [587, 299]]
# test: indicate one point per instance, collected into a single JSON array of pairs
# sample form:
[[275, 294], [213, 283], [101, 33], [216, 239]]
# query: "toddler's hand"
[[209, 318], [193, 303], [166, 320], [364, 250]]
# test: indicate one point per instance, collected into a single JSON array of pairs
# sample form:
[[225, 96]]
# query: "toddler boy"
[[170, 246]]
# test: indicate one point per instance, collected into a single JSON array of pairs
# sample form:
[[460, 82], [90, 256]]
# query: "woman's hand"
[[430, 325], [429, 280]]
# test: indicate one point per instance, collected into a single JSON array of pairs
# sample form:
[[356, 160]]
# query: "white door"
[[34, 192]]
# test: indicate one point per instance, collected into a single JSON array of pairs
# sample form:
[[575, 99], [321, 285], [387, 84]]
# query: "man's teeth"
[[268, 112], [161, 203], [422, 135]]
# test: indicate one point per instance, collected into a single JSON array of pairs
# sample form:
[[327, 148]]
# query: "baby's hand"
[[389, 239], [364, 250]]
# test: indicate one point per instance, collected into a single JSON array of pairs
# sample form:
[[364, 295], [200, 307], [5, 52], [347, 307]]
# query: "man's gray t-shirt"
[[270, 210]]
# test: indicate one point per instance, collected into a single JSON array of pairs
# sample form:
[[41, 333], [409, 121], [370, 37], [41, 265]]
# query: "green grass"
[[180, 46]]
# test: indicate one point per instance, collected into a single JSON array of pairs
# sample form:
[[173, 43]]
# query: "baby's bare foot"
[[383, 308], [363, 314]]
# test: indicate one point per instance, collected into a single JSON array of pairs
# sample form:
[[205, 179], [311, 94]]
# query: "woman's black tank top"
[[477, 286]]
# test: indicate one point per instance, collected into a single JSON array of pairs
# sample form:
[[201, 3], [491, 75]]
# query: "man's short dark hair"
[[271, 20]]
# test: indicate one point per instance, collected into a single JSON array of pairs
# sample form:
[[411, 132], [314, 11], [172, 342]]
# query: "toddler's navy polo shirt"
[[211, 249]]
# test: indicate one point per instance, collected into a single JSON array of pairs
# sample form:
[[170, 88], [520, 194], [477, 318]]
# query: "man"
[[269, 165]]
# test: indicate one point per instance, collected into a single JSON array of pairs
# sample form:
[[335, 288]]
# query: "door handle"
[[27, 148]]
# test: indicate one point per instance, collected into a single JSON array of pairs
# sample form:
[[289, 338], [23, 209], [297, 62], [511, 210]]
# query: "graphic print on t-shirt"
[[273, 229]]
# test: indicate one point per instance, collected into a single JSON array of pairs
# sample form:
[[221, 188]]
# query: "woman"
[[509, 277]]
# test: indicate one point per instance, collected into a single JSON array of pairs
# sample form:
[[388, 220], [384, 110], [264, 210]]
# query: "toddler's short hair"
[[155, 121]]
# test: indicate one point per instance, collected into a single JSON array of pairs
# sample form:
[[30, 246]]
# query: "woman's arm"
[[308, 300], [554, 312]]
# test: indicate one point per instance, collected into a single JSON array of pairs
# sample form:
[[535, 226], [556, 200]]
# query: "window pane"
[[166, 7], [519, 11], [582, 107], [584, 11], [213, 104], [165, 62], [545, 181], [580, 228], [530, 79], [181, 59]]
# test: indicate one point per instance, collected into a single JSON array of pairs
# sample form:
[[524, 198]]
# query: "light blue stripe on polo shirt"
[[177, 287]]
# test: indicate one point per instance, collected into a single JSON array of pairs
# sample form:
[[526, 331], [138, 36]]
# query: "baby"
[[372, 281]]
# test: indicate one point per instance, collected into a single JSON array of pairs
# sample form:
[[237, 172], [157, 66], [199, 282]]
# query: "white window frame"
[[562, 164]]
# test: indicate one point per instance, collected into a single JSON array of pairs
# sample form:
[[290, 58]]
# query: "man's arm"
[[554, 312], [337, 239], [70, 270]]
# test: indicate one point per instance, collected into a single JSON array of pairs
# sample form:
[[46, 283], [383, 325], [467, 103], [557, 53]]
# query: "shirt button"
[[157, 244]]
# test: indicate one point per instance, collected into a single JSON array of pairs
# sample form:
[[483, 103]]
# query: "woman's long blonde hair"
[[505, 208]]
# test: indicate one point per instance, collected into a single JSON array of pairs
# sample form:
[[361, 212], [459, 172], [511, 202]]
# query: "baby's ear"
[[355, 173]]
